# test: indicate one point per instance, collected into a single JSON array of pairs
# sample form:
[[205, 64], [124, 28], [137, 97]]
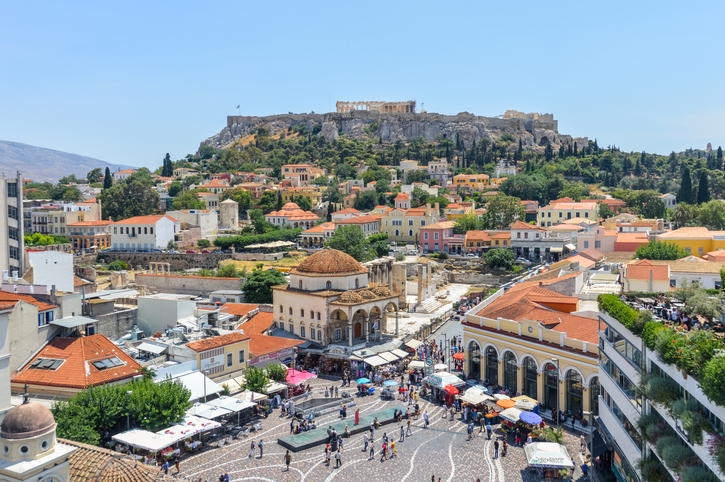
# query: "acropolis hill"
[[399, 121]]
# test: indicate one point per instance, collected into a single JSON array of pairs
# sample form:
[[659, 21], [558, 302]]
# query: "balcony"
[[628, 448]]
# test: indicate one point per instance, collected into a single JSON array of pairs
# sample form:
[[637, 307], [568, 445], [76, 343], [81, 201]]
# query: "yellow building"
[[291, 194], [471, 181], [403, 225], [697, 241], [527, 340], [565, 208], [455, 211], [222, 356]]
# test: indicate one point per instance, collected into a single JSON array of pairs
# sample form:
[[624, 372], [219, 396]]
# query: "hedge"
[[242, 241], [620, 311]]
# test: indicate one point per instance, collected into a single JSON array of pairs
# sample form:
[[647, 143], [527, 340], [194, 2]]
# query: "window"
[[410, 232], [597, 244], [151, 230], [12, 189], [586, 215], [281, 310], [292, 328], [526, 235], [338, 334], [312, 314], [300, 284], [14, 252], [410, 222], [422, 222], [700, 251], [397, 233], [328, 285], [549, 214], [312, 333], [46, 363], [435, 235], [290, 311], [241, 356], [108, 363], [318, 316], [518, 235], [319, 334], [560, 214], [281, 325], [302, 332], [146, 230], [230, 360], [688, 250], [12, 212], [586, 244], [357, 283], [302, 313], [425, 235], [577, 214]]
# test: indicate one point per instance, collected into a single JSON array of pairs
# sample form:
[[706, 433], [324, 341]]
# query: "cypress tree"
[[703, 190], [548, 152], [279, 200], [684, 195], [719, 157], [576, 153], [107, 179], [561, 152]]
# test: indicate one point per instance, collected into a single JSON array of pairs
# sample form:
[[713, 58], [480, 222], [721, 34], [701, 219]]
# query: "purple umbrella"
[[530, 418]]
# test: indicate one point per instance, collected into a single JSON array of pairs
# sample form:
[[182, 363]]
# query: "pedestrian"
[[433, 478], [335, 392], [292, 426], [393, 450], [505, 448], [176, 464], [327, 455], [469, 430], [528, 439], [495, 449], [165, 468], [338, 459], [384, 452], [372, 451], [252, 450], [372, 431], [226, 477], [366, 441], [287, 459], [518, 437], [357, 416], [402, 434], [408, 432], [489, 429], [425, 419], [261, 449]]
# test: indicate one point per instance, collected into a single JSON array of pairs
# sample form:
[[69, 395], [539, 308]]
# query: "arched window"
[[290, 311], [474, 360], [574, 392], [312, 314], [300, 284], [491, 366], [357, 283], [318, 316], [328, 285], [302, 312], [531, 377], [281, 310], [510, 369], [551, 391], [594, 396], [292, 328]]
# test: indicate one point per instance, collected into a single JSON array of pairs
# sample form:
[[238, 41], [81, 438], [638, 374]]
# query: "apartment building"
[[471, 181], [562, 209], [12, 231], [144, 233], [301, 174]]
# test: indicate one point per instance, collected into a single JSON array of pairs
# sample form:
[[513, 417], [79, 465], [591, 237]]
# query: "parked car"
[[190, 251], [471, 255], [205, 251], [524, 261]]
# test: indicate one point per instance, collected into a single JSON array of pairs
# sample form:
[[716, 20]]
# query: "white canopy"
[[205, 410], [375, 361], [525, 403], [142, 439], [275, 387], [179, 432], [151, 348], [400, 353], [250, 396], [231, 403], [501, 396], [440, 367], [199, 385], [442, 379], [414, 344], [475, 398], [388, 356], [199, 424], [416, 364], [511, 414], [548, 454]]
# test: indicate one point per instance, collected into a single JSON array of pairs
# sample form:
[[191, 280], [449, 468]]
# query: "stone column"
[[367, 329], [420, 283], [540, 381], [520, 378], [586, 399], [500, 372], [562, 393], [349, 333]]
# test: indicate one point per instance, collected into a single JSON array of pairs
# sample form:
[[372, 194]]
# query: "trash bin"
[[333, 445]]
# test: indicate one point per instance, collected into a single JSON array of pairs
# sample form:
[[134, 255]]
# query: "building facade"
[[301, 174], [12, 231], [439, 237], [562, 209], [90, 234], [143, 233]]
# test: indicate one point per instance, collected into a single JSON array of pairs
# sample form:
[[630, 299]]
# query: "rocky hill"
[[41, 164], [534, 130]]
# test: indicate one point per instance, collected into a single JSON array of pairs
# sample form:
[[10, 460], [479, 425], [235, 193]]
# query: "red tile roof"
[[258, 324], [217, 341], [370, 218], [13, 298], [522, 225], [641, 270], [238, 309], [262, 344], [90, 223], [77, 370], [153, 219], [347, 211]]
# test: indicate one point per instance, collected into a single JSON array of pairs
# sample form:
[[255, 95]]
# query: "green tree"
[[240, 195], [188, 200], [107, 179], [94, 175], [703, 190], [685, 195], [167, 169], [502, 211], [118, 265], [268, 201], [351, 240], [257, 380], [712, 215], [500, 258], [605, 211], [657, 250], [260, 223], [304, 203], [228, 271], [277, 372], [203, 243], [468, 222], [366, 201], [333, 194], [133, 196], [176, 187], [321, 181], [419, 197], [258, 287], [69, 179], [684, 213]]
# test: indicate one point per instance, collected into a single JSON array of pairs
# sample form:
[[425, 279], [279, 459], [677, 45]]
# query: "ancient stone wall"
[[176, 261], [187, 285], [376, 106]]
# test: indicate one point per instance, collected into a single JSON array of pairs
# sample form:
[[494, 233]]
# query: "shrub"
[[242, 241], [669, 345], [400, 257], [442, 255], [674, 455], [652, 470], [620, 311], [118, 265], [664, 442], [277, 372], [696, 473], [661, 390], [203, 243], [716, 447], [712, 380], [649, 333]]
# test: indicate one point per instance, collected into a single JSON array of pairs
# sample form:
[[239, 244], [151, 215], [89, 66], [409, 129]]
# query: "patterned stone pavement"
[[441, 450]]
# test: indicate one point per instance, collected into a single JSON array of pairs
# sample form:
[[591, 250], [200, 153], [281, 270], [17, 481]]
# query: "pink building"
[[440, 237]]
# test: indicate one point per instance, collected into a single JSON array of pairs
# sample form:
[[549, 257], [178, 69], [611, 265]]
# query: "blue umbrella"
[[390, 383], [530, 418], [363, 381]]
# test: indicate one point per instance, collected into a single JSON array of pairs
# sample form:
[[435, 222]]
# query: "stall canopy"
[[531, 418], [570, 247], [275, 387], [416, 364], [441, 379], [199, 424], [204, 410], [231, 403], [440, 367], [548, 455], [400, 353], [250, 396], [151, 348], [414, 344], [475, 398], [511, 414], [199, 385], [388, 356], [525, 403], [375, 361], [556, 249], [142, 439], [179, 432], [295, 377]]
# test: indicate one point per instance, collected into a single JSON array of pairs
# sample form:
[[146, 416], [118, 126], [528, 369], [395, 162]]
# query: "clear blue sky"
[[128, 81]]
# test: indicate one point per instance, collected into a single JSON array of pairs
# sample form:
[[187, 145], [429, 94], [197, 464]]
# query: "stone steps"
[[428, 306]]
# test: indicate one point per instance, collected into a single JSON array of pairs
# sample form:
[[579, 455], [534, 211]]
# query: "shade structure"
[[440, 367], [142, 439], [479, 390], [510, 414], [501, 396], [295, 377], [459, 356], [451, 390], [231, 403], [531, 418], [416, 364], [400, 353], [199, 424], [179, 432], [548, 455], [441, 379], [389, 356], [414, 344], [506, 403], [390, 383], [491, 415], [491, 404], [475, 398], [363, 381], [525, 403], [207, 411], [375, 361]]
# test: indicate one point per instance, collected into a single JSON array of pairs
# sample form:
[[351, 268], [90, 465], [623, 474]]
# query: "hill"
[[41, 164]]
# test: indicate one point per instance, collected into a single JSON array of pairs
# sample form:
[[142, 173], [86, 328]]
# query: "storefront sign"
[[212, 362]]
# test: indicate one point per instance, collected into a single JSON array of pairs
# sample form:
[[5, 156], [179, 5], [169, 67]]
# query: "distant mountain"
[[41, 164]]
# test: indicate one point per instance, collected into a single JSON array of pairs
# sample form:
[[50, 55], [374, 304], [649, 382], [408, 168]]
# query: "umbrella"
[[501, 396], [363, 381], [506, 403], [491, 415], [402, 389], [390, 383], [526, 404], [451, 390], [459, 356], [530, 418]]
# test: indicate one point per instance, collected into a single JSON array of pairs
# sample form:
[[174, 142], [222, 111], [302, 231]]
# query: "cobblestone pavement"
[[441, 450]]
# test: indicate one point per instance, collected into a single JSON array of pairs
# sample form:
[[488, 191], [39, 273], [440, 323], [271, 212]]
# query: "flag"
[[238, 106]]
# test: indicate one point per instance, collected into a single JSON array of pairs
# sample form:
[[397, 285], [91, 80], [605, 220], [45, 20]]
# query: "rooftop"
[[12, 298], [239, 309], [329, 261], [153, 219], [258, 324], [263, 344], [217, 341]]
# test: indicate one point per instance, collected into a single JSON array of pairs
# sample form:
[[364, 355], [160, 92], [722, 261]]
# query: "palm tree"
[[683, 214]]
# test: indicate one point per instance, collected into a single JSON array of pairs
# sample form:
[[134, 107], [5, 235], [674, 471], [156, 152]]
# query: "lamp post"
[[128, 411], [556, 362], [445, 354]]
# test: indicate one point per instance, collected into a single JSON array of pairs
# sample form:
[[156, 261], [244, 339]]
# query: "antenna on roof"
[[26, 397]]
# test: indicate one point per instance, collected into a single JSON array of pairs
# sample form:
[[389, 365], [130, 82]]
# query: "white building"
[[51, 268], [229, 212], [11, 231], [158, 312], [438, 170], [670, 200], [122, 174], [205, 219], [504, 168], [143, 233]]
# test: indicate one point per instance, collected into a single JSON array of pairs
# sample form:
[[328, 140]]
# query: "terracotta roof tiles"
[[153, 219], [239, 309], [258, 324], [217, 341], [263, 344], [14, 298], [330, 262]]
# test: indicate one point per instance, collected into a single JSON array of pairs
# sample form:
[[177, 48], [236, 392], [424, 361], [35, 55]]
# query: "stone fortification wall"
[[177, 262], [187, 285]]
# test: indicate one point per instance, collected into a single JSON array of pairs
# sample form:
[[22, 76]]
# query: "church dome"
[[26, 421], [290, 207], [331, 262]]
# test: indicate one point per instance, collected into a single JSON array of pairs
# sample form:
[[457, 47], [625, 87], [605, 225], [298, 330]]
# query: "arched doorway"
[[492, 365], [357, 330], [551, 386], [573, 392], [531, 377], [474, 360], [509, 371], [594, 396]]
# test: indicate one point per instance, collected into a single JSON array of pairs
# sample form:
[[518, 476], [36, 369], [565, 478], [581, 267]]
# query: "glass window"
[[230, 360], [574, 391], [531, 377], [302, 332], [510, 369], [338, 334], [319, 334], [551, 390], [474, 360], [491, 366]]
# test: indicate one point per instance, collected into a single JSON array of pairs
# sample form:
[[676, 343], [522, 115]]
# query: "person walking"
[[425, 419], [372, 431], [393, 450], [165, 468], [518, 437], [252, 450], [357, 417], [261, 449], [372, 451], [366, 441], [495, 449], [402, 434], [583, 444], [489, 430], [505, 447], [408, 432], [287, 459], [176, 464], [338, 459], [469, 430], [384, 452], [528, 439]]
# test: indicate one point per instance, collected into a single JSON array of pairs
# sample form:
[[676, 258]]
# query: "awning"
[[199, 424], [570, 247], [440, 367], [414, 344], [73, 321], [199, 385], [142, 439], [556, 249], [151, 348], [475, 398], [375, 361], [189, 322], [510, 414], [441, 379], [275, 387], [295, 377], [250, 396], [179, 432], [599, 446], [204, 410], [416, 364], [548, 455], [231, 403], [400, 353], [355, 358], [388, 356]]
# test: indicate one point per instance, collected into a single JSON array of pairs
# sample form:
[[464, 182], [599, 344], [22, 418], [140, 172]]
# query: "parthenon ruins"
[[376, 105]]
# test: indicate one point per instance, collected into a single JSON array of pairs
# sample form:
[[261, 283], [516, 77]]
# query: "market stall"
[[548, 459], [511, 414], [416, 364], [526, 403], [145, 440]]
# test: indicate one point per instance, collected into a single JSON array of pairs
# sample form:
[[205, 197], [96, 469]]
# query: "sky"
[[128, 81]]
